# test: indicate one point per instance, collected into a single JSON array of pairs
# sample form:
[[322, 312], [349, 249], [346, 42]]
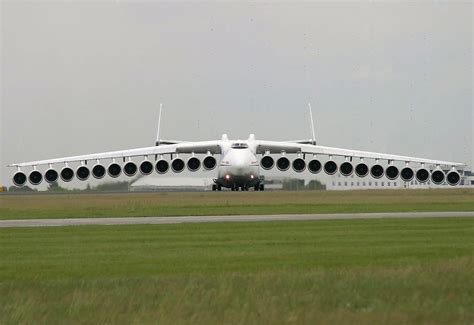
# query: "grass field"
[[387, 271], [231, 203]]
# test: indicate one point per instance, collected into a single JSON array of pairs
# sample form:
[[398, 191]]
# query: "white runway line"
[[242, 218]]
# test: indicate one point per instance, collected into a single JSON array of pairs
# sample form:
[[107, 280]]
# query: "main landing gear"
[[258, 187]]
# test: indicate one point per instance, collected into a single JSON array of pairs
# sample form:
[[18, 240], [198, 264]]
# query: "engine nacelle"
[[299, 165], [377, 171], [267, 162], [177, 165], [392, 172], [407, 174], [51, 176], [146, 167], [66, 174], [315, 166], [422, 175], [162, 166], [35, 177], [19, 179], [330, 167], [438, 177], [98, 171], [83, 173], [114, 170], [283, 164], [346, 169], [362, 170], [453, 178], [209, 163], [130, 169], [193, 164]]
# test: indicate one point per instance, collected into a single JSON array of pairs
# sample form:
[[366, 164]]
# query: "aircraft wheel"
[[214, 187], [262, 187], [256, 187], [219, 188]]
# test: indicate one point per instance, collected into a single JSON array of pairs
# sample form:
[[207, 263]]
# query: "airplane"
[[239, 165]]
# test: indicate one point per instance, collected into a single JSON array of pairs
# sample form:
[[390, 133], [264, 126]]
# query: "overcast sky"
[[85, 77]]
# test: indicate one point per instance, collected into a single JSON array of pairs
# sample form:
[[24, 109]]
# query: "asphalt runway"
[[244, 218]]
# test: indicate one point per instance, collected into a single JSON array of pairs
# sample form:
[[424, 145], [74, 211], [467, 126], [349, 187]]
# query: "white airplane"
[[239, 165]]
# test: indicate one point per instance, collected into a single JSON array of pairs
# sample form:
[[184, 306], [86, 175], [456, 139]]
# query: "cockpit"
[[240, 145]]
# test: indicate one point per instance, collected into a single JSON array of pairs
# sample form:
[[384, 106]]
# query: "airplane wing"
[[212, 147], [277, 147]]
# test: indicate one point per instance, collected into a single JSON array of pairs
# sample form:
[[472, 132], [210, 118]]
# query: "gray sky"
[[84, 77]]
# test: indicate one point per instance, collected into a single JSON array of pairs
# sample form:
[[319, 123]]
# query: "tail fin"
[[313, 135], [157, 143]]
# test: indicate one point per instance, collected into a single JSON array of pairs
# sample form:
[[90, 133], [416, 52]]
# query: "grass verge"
[[233, 203], [372, 271]]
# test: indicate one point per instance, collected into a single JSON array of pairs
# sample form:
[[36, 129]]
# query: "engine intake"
[[346, 169], [362, 170], [130, 169], [407, 174], [453, 178], [267, 162], [209, 163], [162, 166], [193, 164], [35, 177], [330, 167], [67, 174], [315, 166], [19, 179], [283, 164], [114, 170], [146, 167], [299, 165], [437, 177], [51, 176], [392, 172], [422, 175], [98, 171], [177, 165], [83, 173], [377, 171]]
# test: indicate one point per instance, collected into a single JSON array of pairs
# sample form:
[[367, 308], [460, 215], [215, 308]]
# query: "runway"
[[241, 218]]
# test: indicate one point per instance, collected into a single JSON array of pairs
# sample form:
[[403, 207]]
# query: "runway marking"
[[241, 218]]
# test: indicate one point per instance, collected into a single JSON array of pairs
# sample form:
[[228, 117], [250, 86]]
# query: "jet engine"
[[177, 165], [315, 166], [407, 174], [377, 171], [162, 166], [438, 176], [283, 164], [209, 163], [193, 164], [346, 169], [422, 175], [35, 177], [67, 174], [299, 165], [392, 172], [130, 169], [362, 170], [453, 178], [83, 173], [114, 170], [267, 162], [146, 167], [51, 176], [98, 171], [19, 179], [330, 167]]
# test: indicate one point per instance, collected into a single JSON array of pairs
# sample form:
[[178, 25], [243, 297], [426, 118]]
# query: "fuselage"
[[239, 166]]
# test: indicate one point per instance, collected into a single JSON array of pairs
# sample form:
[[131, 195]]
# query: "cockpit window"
[[239, 145]]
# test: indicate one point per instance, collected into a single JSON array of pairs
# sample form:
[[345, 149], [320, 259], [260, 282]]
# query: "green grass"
[[388, 271], [232, 203]]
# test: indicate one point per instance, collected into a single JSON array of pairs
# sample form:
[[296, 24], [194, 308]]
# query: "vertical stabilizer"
[[157, 143], [313, 135]]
